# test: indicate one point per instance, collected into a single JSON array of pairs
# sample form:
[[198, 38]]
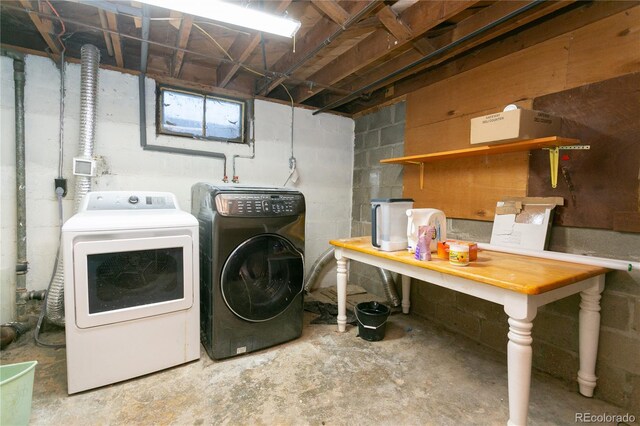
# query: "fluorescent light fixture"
[[232, 14]]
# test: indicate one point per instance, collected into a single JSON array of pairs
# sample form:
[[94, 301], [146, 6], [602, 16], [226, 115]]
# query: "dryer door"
[[131, 278], [261, 277]]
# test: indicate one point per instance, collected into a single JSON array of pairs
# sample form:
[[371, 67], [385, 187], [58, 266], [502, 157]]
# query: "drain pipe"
[[21, 199], [12, 330], [388, 283]]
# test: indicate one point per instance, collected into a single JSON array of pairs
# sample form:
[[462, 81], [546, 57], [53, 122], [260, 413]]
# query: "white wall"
[[323, 146]]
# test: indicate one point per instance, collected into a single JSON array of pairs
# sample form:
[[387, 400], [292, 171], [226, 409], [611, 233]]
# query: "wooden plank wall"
[[596, 48]]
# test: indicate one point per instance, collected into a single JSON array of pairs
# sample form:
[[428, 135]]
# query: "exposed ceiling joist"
[[333, 10], [420, 17], [183, 38], [107, 37], [320, 36], [462, 30], [573, 18], [242, 47], [423, 46], [466, 29], [348, 55], [393, 24], [112, 20], [44, 28]]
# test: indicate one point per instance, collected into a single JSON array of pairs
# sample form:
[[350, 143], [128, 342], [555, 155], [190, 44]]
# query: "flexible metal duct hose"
[[89, 64], [389, 286], [90, 61], [326, 257], [54, 302]]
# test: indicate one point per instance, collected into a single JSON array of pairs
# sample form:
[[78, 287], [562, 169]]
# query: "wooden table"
[[520, 284]]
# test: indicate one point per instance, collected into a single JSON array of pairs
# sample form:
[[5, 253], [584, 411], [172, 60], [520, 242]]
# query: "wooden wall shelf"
[[548, 142], [551, 142]]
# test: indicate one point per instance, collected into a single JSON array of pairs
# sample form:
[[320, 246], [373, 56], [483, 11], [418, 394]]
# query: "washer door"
[[261, 277]]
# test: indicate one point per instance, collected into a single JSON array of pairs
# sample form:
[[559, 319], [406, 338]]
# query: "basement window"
[[201, 115]]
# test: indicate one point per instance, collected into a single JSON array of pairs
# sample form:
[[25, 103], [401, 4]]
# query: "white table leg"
[[589, 333], [342, 290], [406, 293], [519, 357]]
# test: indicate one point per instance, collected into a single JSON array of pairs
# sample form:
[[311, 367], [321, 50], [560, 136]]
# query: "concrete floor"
[[419, 374]]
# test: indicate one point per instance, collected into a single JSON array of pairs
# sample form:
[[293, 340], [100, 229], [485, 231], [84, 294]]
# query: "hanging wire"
[[59, 191], [64, 28], [292, 158]]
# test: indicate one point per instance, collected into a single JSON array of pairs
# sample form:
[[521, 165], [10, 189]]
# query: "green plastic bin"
[[16, 389]]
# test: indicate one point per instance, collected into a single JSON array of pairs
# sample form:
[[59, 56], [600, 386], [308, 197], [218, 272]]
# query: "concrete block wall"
[[555, 329], [323, 147], [378, 135]]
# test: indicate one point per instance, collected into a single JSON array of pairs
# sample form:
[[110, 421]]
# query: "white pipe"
[[622, 265]]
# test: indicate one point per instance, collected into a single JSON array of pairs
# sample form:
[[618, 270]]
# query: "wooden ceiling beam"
[[43, 27], [112, 20], [105, 25], [241, 49], [393, 24], [333, 10], [463, 29], [584, 14], [319, 35], [419, 17], [183, 39], [423, 46]]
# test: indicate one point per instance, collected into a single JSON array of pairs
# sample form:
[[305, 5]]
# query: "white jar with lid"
[[459, 254]]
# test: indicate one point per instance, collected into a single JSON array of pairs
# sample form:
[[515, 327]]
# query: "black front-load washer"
[[251, 266]]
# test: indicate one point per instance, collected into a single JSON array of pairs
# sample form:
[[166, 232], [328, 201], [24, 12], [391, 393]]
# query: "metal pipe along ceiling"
[[479, 31]]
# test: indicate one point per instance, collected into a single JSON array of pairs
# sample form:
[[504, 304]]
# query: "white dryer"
[[131, 287]]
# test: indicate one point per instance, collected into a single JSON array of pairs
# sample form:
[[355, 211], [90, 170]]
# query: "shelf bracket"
[[554, 153], [553, 164], [421, 164]]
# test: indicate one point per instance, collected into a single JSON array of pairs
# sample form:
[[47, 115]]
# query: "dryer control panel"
[[257, 205], [129, 200]]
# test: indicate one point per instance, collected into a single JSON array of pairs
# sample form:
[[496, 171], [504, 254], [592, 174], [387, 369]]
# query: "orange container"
[[443, 249]]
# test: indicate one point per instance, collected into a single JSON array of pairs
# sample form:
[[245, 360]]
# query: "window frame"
[[245, 109]]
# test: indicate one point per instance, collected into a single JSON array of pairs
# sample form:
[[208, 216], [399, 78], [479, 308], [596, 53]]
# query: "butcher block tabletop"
[[522, 274]]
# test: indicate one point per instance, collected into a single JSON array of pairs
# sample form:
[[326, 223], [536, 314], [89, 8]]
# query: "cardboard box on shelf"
[[524, 222], [513, 125]]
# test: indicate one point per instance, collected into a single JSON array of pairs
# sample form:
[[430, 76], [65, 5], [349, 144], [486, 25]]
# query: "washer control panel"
[[256, 205]]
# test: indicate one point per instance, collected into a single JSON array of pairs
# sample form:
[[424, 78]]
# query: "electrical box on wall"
[[84, 167]]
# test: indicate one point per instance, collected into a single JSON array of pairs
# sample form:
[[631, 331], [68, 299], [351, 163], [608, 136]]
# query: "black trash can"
[[372, 320]]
